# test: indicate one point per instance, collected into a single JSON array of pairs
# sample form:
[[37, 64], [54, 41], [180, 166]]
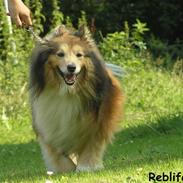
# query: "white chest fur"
[[59, 117]]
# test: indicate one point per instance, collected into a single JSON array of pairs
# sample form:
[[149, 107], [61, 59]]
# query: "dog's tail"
[[116, 69]]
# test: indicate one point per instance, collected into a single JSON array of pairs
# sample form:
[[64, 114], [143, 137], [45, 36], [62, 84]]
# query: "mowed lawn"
[[150, 140]]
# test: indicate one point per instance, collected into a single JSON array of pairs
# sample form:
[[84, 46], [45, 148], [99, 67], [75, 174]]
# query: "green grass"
[[150, 140]]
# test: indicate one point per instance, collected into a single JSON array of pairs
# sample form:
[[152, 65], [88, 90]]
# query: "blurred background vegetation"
[[137, 35]]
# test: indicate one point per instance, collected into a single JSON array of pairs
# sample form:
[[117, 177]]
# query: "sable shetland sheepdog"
[[76, 102]]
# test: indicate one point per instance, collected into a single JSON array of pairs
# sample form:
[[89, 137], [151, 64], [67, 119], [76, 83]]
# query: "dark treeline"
[[163, 17]]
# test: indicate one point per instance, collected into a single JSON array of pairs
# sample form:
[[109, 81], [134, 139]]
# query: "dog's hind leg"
[[55, 161], [91, 157]]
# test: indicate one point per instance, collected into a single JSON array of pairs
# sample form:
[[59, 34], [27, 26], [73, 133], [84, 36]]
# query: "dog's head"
[[63, 58], [68, 59]]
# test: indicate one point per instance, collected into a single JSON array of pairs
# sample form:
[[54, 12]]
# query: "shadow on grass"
[[147, 143], [133, 147], [20, 161]]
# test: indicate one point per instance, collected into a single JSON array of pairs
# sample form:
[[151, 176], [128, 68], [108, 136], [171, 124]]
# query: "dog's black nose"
[[71, 67]]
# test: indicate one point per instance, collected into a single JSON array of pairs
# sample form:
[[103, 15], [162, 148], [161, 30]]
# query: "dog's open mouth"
[[69, 78]]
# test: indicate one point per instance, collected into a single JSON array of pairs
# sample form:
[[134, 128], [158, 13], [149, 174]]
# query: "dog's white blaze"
[[70, 57], [65, 71], [55, 114]]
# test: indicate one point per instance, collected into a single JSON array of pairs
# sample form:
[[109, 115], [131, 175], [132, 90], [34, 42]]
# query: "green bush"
[[165, 54], [164, 18], [126, 48]]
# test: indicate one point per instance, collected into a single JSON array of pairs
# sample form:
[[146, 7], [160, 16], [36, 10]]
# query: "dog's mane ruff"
[[107, 99], [96, 83], [39, 56]]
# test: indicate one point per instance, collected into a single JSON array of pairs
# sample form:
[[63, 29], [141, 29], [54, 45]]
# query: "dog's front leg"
[[55, 161], [91, 157]]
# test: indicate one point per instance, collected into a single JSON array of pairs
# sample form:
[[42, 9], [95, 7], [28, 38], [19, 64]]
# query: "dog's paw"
[[88, 168]]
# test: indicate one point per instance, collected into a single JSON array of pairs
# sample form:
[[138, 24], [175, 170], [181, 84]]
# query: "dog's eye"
[[60, 54], [79, 54]]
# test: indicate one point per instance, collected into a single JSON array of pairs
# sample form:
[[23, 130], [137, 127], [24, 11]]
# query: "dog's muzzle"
[[69, 77]]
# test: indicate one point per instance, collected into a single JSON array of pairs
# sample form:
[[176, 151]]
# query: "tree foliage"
[[164, 18]]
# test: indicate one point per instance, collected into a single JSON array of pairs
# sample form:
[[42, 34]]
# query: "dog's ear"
[[58, 31], [61, 30], [84, 34]]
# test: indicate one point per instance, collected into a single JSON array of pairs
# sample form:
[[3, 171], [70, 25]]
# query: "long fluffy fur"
[[79, 119]]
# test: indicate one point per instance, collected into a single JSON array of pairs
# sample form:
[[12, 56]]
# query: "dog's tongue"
[[70, 78]]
